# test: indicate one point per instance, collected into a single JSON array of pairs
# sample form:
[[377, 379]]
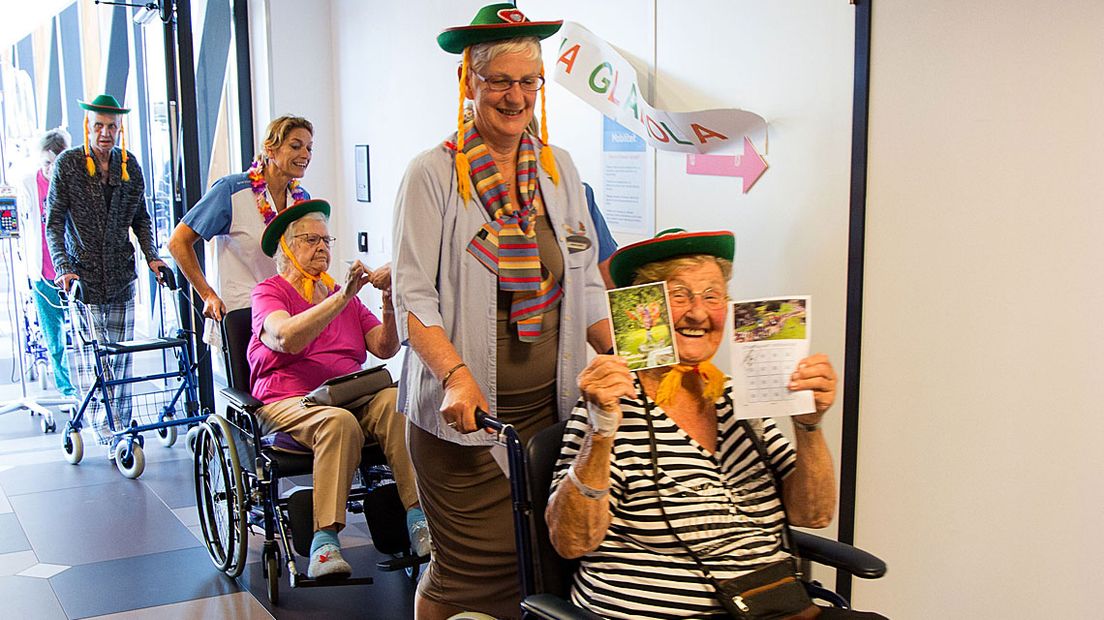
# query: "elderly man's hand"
[[65, 281], [155, 266], [815, 373], [602, 383], [355, 279]]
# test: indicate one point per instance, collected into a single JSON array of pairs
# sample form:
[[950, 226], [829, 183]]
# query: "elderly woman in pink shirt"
[[307, 330]]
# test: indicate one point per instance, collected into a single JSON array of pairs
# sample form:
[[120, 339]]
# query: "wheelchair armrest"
[[552, 607], [838, 555], [241, 400]]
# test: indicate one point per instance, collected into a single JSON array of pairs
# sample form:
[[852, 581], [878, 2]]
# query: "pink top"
[[339, 350], [47, 263]]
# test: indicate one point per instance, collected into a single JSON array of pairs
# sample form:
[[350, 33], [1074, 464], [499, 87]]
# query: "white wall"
[[980, 461]]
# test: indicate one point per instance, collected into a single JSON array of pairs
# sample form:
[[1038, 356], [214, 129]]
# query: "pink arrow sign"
[[749, 166]]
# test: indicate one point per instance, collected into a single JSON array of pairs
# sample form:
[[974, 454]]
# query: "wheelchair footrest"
[[304, 582], [402, 563]]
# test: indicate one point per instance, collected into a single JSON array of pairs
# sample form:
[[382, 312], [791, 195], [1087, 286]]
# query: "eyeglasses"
[[498, 84], [682, 297], [313, 240]]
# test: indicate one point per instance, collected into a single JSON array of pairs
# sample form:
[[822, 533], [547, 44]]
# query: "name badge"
[[577, 243]]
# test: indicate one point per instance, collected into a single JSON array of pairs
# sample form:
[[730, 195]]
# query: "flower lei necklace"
[[257, 180]]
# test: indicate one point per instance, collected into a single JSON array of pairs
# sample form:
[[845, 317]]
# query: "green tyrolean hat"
[[105, 104], [495, 22], [669, 244], [270, 239]]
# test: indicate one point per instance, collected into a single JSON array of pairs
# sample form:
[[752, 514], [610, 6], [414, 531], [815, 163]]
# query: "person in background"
[[36, 255], [306, 331], [607, 245], [497, 292], [97, 197], [234, 213]]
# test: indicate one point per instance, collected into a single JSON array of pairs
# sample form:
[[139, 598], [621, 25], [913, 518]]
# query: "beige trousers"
[[336, 436]]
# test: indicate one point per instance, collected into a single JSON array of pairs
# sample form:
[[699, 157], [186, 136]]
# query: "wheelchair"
[[238, 472], [546, 577]]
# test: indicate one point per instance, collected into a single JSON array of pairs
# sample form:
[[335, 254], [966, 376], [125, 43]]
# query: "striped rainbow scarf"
[[507, 246]]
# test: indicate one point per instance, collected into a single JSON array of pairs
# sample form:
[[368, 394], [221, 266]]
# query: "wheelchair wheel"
[[129, 459], [220, 496], [167, 435], [73, 446], [270, 563]]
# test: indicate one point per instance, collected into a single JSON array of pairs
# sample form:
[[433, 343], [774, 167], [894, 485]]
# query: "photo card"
[[769, 337], [641, 320]]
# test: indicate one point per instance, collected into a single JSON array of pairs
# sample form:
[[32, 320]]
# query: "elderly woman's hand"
[[462, 398], [602, 383], [815, 373], [355, 279]]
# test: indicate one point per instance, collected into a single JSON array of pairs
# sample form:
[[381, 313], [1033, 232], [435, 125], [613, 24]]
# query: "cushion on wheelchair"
[[295, 459], [146, 344]]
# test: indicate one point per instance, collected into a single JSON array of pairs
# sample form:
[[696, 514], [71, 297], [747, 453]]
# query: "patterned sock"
[[322, 537]]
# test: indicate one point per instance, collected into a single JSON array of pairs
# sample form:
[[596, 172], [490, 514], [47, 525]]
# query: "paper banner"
[[595, 72]]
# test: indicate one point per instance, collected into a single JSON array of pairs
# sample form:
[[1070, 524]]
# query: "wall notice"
[[624, 203]]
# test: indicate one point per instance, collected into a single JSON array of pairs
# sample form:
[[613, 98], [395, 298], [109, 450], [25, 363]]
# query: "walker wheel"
[[130, 459], [167, 435], [73, 446], [48, 424]]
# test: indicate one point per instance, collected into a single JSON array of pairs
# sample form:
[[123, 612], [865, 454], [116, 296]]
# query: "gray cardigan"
[[87, 240]]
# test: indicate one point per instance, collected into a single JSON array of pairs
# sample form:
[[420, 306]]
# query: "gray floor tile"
[[12, 538], [27, 597], [138, 582], [172, 481], [93, 470], [99, 522]]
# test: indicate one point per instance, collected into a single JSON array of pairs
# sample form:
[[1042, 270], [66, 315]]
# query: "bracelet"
[[448, 375], [587, 492], [805, 426]]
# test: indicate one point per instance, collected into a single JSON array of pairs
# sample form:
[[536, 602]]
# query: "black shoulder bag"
[[773, 592]]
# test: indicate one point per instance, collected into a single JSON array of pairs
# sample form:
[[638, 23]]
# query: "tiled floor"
[[82, 541]]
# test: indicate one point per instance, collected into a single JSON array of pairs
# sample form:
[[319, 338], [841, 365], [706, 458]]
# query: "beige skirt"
[[466, 498]]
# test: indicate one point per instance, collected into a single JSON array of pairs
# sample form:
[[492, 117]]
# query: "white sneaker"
[[326, 563]]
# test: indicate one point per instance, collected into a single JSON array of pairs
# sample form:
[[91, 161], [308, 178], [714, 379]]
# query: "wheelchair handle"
[[486, 420]]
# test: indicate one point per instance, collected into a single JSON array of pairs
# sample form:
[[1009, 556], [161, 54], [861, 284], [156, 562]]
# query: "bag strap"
[[760, 449]]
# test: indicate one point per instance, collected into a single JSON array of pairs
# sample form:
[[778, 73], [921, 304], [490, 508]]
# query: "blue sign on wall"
[[615, 138]]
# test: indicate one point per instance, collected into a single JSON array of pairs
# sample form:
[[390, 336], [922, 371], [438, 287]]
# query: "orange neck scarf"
[[712, 376], [306, 287]]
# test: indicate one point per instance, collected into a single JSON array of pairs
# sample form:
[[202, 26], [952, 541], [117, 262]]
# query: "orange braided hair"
[[463, 166], [548, 162], [88, 163], [126, 175]]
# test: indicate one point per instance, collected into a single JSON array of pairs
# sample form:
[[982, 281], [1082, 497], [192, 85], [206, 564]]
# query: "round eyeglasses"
[[313, 240], [498, 83], [682, 297]]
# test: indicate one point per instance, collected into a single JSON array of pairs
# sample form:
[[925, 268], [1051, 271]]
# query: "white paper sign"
[[769, 337], [598, 74]]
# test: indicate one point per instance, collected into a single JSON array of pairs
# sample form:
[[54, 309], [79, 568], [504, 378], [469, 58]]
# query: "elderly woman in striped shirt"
[[659, 484]]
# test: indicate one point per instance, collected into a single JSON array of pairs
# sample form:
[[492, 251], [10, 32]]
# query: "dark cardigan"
[[87, 240]]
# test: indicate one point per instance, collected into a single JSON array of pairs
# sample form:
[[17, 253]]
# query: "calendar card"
[[769, 337], [641, 320]]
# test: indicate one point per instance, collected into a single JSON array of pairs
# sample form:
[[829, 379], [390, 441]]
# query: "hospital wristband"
[[584, 490], [805, 426]]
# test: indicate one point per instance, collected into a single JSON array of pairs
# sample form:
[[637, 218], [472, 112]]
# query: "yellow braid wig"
[[126, 175], [88, 163], [548, 162], [463, 166]]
